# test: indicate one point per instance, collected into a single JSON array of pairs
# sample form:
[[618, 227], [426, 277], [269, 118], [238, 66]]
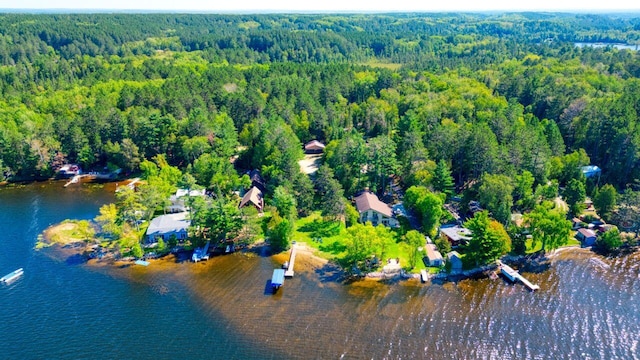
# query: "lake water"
[[602, 45], [222, 309]]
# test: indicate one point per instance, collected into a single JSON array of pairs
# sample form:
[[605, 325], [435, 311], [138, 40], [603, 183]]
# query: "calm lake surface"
[[221, 309], [602, 45]]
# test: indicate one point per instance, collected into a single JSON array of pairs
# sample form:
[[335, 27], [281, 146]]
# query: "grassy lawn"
[[328, 237], [530, 250], [325, 236]]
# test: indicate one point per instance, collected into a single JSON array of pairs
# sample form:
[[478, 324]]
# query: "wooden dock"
[[292, 259], [514, 276]]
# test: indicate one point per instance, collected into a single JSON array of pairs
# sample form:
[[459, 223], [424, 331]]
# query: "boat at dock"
[[277, 280], [11, 276], [424, 276]]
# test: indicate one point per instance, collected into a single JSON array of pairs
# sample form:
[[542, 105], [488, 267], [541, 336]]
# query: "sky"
[[326, 5]]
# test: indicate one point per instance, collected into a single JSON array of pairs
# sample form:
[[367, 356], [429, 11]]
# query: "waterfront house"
[[456, 235], [586, 236], [455, 260], [314, 147], [166, 226], [375, 211], [177, 201], [253, 197], [576, 223], [433, 258], [69, 170]]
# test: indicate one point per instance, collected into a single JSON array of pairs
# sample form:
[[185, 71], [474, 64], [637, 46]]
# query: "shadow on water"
[[76, 259], [268, 289], [331, 273]]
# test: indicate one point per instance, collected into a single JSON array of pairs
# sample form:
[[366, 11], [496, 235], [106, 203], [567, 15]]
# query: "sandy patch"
[[310, 163]]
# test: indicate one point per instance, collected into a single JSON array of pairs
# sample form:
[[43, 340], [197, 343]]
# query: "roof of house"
[[433, 253], [456, 233], [453, 255], [256, 179], [168, 223], [368, 201], [587, 233], [187, 192], [254, 195], [314, 145]]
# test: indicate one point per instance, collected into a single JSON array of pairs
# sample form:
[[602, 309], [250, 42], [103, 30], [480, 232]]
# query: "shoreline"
[[85, 250]]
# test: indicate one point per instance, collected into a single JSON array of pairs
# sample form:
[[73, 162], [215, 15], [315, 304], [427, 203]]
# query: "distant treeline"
[[393, 94]]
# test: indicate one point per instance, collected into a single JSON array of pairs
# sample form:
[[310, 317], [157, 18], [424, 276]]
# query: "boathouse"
[[455, 259], [586, 236], [165, 226], [433, 258]]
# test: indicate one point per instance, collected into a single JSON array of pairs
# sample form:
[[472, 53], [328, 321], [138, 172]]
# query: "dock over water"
[[292, 259], [514, 276]]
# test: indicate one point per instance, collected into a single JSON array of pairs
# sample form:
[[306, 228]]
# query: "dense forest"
[[501, 109]]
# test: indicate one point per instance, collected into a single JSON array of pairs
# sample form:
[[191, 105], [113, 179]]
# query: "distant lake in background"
[[602, 45], [221, 309]]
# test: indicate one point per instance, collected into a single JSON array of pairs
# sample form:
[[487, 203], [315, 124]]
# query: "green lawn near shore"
[[330, 239]]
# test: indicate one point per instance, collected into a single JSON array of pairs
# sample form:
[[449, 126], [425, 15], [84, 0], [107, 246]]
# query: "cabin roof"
[[368, 201], [168, 223], [254, 196], [587, 233], [432, 253], [456, 233], [314, 145]]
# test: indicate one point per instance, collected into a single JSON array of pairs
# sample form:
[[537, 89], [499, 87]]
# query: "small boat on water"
[[12, 276], [142, 262], [277, 280]]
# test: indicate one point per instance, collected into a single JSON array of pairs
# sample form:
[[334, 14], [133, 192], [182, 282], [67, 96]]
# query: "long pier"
[[514, 276], [292, 259]]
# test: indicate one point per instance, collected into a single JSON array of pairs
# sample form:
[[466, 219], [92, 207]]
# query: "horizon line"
[[311, 11]]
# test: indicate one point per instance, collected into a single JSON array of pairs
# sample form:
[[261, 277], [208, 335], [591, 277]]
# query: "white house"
[[434, 258], [177, 200], [165, 226], [373, 210]]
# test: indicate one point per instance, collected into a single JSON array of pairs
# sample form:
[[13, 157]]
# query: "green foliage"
[[108, 221], [495, 194], [427, 205], [279, 232], [548, 226], [574, 194], [489, 239], [604, 201], [609, 240], [442, 180], [136, 250], [443, 244], [365, 240], [523, 191], [414, 240], [351, 215], [285, 204]]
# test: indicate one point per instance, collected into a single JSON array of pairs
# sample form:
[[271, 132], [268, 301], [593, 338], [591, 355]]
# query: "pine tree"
[[442, 179]]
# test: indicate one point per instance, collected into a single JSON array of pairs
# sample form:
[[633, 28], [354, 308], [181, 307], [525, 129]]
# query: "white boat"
[[11, 276]]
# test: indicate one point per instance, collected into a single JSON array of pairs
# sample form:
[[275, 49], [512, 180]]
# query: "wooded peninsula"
[[521, 130]]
